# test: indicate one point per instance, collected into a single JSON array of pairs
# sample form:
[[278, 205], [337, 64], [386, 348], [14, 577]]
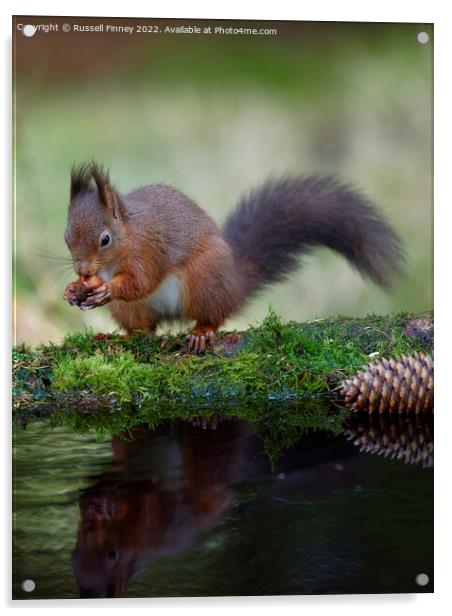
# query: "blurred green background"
[[215, 116]]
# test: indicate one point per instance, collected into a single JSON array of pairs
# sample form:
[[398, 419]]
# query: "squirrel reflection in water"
[[167, 485]]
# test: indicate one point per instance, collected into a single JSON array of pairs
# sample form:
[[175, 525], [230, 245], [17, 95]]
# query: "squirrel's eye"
[[105, 239]]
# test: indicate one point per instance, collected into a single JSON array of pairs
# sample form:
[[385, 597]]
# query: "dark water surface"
[[181, 511]]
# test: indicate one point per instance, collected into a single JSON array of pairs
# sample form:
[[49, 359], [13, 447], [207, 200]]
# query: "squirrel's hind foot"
[[199, 339]]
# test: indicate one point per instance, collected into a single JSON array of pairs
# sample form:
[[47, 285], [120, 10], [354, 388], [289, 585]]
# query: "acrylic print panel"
[[169, 437]]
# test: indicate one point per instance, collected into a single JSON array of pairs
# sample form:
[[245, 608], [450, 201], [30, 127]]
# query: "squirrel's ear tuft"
[[107, 194], [80, 179]]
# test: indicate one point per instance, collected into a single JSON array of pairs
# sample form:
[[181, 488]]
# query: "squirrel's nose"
[[82, 269]]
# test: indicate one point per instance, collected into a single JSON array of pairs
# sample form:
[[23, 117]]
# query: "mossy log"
[[269, 362]]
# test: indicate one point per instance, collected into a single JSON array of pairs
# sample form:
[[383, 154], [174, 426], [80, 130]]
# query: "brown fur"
[[133, 316], [212, 292]]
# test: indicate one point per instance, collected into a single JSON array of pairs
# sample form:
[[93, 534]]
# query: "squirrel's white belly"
[[166, 299]]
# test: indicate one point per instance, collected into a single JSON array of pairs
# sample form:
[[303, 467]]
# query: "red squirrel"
[[154, 255]]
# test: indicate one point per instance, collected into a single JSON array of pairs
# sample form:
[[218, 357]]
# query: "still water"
[[184, 511]]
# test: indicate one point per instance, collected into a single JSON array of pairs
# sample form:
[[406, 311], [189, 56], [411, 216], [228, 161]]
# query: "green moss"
[[274, 361]]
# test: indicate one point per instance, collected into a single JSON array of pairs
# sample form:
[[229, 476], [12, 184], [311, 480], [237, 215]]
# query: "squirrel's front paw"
[[98, 297], [71, 293], [77, 292]]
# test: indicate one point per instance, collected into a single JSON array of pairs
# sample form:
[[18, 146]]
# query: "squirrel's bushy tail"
[[286, 218]]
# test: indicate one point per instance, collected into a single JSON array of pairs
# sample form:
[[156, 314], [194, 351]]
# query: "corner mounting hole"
[[29, 30], [423, 38], [28, 585], [422, 579]]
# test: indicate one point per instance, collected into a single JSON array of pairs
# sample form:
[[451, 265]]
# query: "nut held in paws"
[[78, 291]]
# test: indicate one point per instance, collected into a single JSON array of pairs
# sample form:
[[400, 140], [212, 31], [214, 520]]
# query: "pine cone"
[[410, 440], [398, 385]]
